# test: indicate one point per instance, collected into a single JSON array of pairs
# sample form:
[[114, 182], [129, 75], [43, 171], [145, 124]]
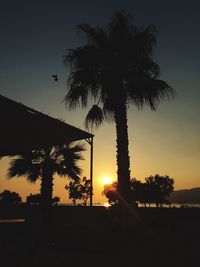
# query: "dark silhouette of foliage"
[[35, 199], [10, 198], [155, 190], [115, 68], [74, 191], [44, 163], [79, 190], [86, 189], [139, 191], [159, 188], [110, 191]]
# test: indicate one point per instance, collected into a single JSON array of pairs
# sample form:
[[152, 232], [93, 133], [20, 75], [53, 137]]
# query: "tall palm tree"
[[44, 163], [115, 68]]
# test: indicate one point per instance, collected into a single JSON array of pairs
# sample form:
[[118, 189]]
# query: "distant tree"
[[85, 189], [35, 199], [73, 189], [159, 188], [156, 189], [115, 68], [10, 198], [44, 164], [139, 191], [79, 190], [110, 191]]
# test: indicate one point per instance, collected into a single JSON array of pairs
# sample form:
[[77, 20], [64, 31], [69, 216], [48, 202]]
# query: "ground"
[[84, 236]]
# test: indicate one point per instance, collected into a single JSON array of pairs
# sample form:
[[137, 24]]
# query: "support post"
[[90, 142], [91, 171]]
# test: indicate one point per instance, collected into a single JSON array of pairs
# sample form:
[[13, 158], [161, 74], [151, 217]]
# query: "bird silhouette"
[[55, 77]]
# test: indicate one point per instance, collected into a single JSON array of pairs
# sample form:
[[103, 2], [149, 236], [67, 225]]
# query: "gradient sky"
[[34, 36]]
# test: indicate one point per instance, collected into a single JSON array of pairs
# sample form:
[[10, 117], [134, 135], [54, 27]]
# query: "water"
[[172, 205]]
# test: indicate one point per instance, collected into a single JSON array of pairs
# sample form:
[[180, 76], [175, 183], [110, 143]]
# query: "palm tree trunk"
[[123, 162], [46, 193], [45, 204]]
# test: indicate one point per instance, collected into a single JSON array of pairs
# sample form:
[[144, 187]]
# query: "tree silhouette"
[[159, 188], [35, 199], [10, 198], [85, 189], [44, 163], [110, 191], [139, 191], [115, 68], [79, 190], [74, 191], [156, 189]]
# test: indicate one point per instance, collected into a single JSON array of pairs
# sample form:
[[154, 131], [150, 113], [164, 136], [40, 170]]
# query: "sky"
[[34, 36]]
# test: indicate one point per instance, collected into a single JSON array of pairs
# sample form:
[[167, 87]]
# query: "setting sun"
[[106, 180]]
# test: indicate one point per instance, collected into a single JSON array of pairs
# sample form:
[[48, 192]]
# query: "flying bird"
[[55, 77]]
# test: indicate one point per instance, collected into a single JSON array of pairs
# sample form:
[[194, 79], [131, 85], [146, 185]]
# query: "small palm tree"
[[44, 163], [116, 69]]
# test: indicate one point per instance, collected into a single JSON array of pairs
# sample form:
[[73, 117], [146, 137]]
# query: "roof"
[[23, 129]]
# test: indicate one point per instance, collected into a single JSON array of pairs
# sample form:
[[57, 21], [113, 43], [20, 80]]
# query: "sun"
[[106, 180]]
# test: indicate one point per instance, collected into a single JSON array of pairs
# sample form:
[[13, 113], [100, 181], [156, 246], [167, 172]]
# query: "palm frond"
[[72, 172], [24, 167], [77, 148], [71, 151], [84, 77], [151, 93], [95, 117], [66, 160], [121, 21], [95, 35], [81, 58], [145, 41], [77, 96]]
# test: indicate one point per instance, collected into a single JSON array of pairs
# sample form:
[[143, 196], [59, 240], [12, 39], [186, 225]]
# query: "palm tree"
[[115, 68], [44, 163]]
